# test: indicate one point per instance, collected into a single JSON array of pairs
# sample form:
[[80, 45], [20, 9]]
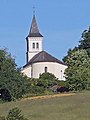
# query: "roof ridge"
[[44, 56]]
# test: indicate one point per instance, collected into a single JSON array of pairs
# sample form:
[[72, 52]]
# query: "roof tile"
[[44, 57]]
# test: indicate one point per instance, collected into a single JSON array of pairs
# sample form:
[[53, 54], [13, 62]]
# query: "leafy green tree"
[[78, 71], [11, 77], [47, 80], [85, 41], [78, 61], [70, 51], [43, 83]]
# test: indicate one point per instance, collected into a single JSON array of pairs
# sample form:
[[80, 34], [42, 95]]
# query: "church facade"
[[38, 60]]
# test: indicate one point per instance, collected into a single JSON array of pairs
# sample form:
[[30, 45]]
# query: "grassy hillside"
[[76, 107]]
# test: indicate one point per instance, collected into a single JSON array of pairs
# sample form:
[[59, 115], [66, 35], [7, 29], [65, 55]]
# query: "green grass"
[[75, 107]]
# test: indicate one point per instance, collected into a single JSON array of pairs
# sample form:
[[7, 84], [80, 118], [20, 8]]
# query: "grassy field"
[[75, 107]]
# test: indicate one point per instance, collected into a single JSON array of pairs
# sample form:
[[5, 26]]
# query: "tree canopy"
[[47, 80], [78, 61], [85, 41], [10, 76]]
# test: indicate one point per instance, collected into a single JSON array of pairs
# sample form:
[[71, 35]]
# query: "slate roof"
[[43, 57], [34, 31]]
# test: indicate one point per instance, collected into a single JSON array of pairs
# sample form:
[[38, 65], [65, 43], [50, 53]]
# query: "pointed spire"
[[34, 27], [34, 31]]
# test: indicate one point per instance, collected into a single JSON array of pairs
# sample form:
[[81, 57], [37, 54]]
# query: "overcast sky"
[[61, 22]]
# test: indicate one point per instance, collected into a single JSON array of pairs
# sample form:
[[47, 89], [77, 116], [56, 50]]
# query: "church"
[[38, 60]]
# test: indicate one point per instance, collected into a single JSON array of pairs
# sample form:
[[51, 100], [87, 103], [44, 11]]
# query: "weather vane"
[[33, 10]]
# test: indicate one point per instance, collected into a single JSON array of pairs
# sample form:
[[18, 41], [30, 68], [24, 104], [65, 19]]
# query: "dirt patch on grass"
[[49, 96]]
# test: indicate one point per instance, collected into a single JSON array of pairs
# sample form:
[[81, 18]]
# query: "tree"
[[85, 41], [15, 114], [70, 51], [78, 61], [47, 80], [11, 77], [78, 71]]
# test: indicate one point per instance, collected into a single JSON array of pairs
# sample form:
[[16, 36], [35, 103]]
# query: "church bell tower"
[[34, 40]]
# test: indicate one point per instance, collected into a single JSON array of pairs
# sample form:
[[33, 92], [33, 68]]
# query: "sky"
[[61, 22]]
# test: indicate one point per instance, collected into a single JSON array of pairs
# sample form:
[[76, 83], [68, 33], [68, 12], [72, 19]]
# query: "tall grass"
[[75, 107]]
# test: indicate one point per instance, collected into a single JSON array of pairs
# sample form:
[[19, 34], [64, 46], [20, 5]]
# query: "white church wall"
[[52, 67], [31, 55], [59, 71], [27, 71]]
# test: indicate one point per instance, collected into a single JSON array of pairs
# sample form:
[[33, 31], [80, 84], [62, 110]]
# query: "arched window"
[[45, 69], [37, 45], [33, 45]]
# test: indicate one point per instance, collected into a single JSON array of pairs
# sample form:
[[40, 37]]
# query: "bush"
[[47, 80], [15, 114], [36, 90], [62, 83]]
